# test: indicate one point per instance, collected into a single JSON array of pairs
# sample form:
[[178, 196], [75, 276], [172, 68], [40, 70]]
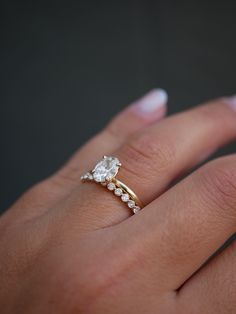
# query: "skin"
[[72, 247]]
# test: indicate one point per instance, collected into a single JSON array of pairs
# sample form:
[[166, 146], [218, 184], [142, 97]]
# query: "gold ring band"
[[105, 173]]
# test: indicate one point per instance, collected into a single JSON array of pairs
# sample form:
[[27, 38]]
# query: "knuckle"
[[213, 112], [115, 130], [151, 150], [112, 130], [219, 185]]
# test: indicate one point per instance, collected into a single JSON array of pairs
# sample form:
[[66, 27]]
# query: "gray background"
[[67, 67]]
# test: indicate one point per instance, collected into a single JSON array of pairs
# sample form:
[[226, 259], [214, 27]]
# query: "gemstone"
[[136, 209], [89, 176], [106, 169], [111, 186], [125, 197], [131, 204], [109, 177], [118, 192]]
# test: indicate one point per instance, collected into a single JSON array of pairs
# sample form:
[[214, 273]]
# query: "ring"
[[105, 173]]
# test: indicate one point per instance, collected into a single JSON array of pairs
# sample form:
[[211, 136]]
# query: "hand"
[[72, 247]]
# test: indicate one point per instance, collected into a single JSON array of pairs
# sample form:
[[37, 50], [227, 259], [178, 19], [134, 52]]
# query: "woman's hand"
[[68, 247]]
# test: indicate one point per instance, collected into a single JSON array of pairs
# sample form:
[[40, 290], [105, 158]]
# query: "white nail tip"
[[151, 102], [231, 101]]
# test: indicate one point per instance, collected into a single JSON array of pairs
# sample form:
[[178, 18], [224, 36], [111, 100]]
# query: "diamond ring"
[[105, 173]]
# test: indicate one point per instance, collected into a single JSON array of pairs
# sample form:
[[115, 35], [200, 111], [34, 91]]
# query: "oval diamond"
[[106, 169]]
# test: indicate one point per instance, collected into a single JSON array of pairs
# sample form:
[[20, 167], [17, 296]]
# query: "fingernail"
[[153, 101], [231, 101]]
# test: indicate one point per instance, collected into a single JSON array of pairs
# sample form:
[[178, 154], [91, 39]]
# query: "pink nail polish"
[[150, 103], [231, 102]]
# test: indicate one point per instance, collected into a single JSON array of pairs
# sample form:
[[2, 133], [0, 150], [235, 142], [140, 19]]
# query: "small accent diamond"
[[125, 197], [89, 176], [131, 204], [136, 209], [118, 192], [111, 186], [86, 176]]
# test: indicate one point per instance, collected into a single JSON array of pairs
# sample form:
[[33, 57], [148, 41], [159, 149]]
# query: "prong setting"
[[105, 173]]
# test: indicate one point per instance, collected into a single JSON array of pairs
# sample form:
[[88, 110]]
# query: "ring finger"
[[154, 158]]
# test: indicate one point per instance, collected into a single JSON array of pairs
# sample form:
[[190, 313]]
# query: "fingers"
[[187, 224], [213, 288], [143, 112], [154, 158]]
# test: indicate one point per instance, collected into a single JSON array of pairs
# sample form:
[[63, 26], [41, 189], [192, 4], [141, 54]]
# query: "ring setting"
[[105, 173]]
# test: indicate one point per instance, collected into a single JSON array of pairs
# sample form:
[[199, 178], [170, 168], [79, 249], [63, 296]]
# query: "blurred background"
[[67, 67]]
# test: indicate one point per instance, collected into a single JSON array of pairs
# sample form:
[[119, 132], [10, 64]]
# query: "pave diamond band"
[[105, 173]]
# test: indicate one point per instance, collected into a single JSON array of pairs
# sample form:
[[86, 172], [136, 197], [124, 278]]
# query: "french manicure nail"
[[151, 102], [231, 101]]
